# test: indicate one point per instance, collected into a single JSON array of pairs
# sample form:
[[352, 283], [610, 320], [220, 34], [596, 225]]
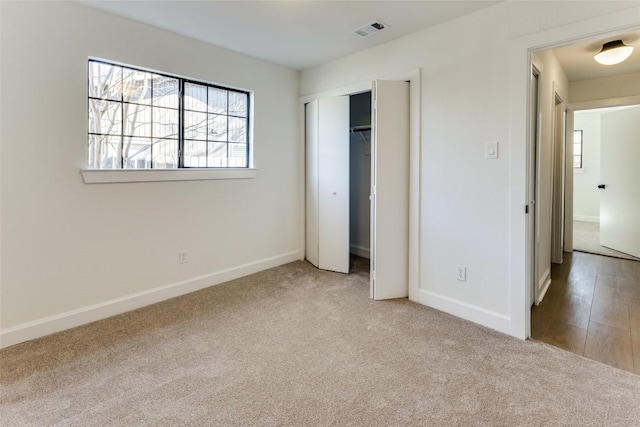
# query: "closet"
[[357, 184], [360, 174]]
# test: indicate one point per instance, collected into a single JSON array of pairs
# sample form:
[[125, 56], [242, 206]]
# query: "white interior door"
[[390, 190], [333, 184], [534, 135], [620, 175], [312, 182]]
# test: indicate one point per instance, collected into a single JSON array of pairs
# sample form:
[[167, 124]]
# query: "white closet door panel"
[[311, 130], [333, 188], [390, 190]]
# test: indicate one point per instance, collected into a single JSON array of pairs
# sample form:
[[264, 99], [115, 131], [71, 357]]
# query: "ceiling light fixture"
[[613, 52]]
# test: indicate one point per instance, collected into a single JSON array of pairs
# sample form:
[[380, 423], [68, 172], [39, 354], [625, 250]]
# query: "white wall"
[[620, 86], [466, 201], [73, 252], [586, 195]]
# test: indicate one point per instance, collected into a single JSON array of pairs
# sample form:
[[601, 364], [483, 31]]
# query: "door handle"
[[602, 186]]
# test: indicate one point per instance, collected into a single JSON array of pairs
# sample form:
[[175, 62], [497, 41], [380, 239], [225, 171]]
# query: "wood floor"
[[592, 308]]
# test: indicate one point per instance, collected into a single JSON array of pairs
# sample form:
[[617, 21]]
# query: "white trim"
[[473, 313], [112, 176], [543, 286], [605, 103], [586, 218], [70, 319], [360, 251]]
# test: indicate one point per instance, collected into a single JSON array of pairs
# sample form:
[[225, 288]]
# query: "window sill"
[[113, 176]]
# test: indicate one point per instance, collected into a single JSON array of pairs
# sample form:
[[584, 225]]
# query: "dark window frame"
[[181, 120]]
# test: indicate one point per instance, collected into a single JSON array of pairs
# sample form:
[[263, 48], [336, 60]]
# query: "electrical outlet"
[[461, 273], [182, 257]]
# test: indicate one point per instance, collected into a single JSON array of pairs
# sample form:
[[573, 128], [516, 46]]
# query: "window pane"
[[577, 149], [217, 155], [217, 100], [195, 154], [165, 91], [195, 125], [217, 127], [237, 129], [105, 117], [136, 153], [137, 86], [237, 155], [195, 97], [577, 136], [137, 120], [165, 123], [105, 81], [238, 104], [577, 161], [104, 152], [165, 154]]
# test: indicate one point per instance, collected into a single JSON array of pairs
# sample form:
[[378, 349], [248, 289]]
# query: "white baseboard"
[[360, 251], [484, 317], [70, 319], [543, 285], [586, 218]]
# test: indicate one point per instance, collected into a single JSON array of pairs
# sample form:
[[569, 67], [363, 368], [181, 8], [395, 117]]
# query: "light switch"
[[491, 150]]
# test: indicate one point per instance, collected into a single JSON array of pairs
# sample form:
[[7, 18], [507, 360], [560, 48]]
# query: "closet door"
[[333, 184], [390, 190], [311, 185]]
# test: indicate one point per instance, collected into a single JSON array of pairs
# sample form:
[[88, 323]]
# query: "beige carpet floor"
[[294, 346], [586, 238]]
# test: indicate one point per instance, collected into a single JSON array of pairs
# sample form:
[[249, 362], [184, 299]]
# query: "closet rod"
[[359, 129]]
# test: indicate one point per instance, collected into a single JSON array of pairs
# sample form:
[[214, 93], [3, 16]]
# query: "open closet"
[[357, 184], [360, 174]]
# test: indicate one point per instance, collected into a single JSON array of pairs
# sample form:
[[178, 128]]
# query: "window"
[[140, 119], [577, 149]]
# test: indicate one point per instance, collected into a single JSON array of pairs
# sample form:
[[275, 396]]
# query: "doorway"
[[591, 303], [360, 175], [599, 137]]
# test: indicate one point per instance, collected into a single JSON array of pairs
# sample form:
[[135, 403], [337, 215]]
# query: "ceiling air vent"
[[372, 28]]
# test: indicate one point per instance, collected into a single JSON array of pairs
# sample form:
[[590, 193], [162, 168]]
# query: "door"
[[557, 204], [390, 190], [311, 182], [327, 183], [534, 134], [620, 178]]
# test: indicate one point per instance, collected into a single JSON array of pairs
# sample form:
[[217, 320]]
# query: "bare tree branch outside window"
[[140, 119]]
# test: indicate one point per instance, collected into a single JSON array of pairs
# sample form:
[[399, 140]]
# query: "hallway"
[[592, 308]]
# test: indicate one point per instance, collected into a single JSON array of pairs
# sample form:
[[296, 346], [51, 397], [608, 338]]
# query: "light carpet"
[[586, 238], [295, 346]]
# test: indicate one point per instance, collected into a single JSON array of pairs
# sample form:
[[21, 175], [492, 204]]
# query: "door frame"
[[519, 176], [413, 77]]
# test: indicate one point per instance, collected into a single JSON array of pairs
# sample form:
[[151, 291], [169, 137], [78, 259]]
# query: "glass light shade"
[[613, 53]]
